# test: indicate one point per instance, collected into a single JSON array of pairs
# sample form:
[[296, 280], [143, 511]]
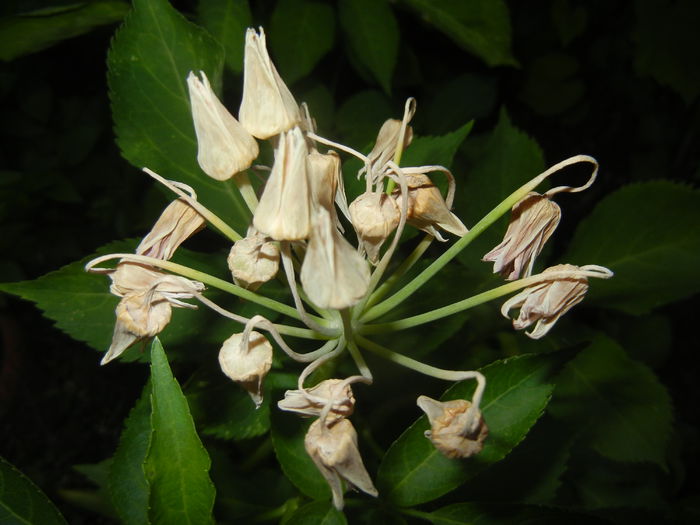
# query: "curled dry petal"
[[253, 260], [224, 147], [333, 449], [267, 107], [178, 222], [312, 401], [247, 364], [284, 209], [374, 216], [385, 146], [532, 222], [454, 432]]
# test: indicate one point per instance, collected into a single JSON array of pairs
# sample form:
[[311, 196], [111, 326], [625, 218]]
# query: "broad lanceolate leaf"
[[151, 56], [517, 391], [177, 466], [127, 476], [227, 21], [482, 27], [643, 233], [301, 33], [431, 150], [373, 35], [36, 30], [500, 514], [317, 513], [21, 502], [623, 410]]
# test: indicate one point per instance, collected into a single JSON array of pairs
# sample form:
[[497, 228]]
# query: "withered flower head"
[[224, 147], [333, 449], [374, 216], [455, 432], [333, 273], [427, 209], [312, 401], [253, 260], [284, 209], [387, 140], [177, 223], [247, 364], [532, 221], [267, 108]]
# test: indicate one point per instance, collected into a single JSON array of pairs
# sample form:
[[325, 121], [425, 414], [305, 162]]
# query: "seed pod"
[[247, 364], [253, 260], [374, 216]]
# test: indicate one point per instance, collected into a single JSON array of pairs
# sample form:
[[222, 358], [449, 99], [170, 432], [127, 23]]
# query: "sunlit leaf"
[[227, 21]]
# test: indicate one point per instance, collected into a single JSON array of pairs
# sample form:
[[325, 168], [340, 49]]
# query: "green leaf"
[[150, 58], [22, 502], [500, 514], [517, 391], [373, 36], [301, 33], [127, 477], [436, 150], [227, 21], [618, 403], [177, 466], [317, 513], [646, 233], [36, 30], [481, 27]]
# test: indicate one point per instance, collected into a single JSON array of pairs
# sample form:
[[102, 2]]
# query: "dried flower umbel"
[[337, 288]]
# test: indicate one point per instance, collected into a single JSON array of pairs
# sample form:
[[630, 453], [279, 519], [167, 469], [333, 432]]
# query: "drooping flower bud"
[[542, 304], [374, 216], [455, 431], [333, 273], [323, 171], [224, 147], [247, 364], [387, 140], [333, 449], [427, 209], [312, 401], [253, 260], [284, 209], [267, 108], [176, 224], [533, 220]]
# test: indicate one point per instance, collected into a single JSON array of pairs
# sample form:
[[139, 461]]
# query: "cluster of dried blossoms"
[[303, 221]]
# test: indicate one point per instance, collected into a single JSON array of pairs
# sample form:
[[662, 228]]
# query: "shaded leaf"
[[301, 33], [500, 514], [177, 466], [373, 36], [227, 21], [431, 150], [658, 243], [318, 512], [517, 390], [22, 502], [481, 27], [618, 403], [150, 58]]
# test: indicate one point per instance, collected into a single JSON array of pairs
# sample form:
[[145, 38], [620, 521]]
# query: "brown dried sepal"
[[453, 430]]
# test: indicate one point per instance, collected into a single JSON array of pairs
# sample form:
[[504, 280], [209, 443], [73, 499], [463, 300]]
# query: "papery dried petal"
[[176, 224], [374, 216], [247, 365], [224, 147], [323, 171], [311, 401], [267, 108], [333, 449], [253, 260], [387, 139]]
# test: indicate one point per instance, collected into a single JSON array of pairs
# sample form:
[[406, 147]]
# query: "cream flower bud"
[[542, 304], [427, 209], [454, 431], [176, 224], [253, 260], [247, 364], [334, 451], [224, 147], [323, 171], [532, 221], [284, 209], [267, 107], [333, 273], [374, 216], [387, 139], [312, 401]]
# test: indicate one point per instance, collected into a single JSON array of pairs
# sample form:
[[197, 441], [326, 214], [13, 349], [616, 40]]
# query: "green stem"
[[247, 192], [359, 360]]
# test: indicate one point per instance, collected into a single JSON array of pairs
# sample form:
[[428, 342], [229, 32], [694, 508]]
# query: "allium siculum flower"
[[267, 108], [427, 209], [178, 222], [285, 205], [333, 273], [333, 449], [385, 146], [311, 401], [532, 221], [253, 260], [455, 432], [224, 147], [247, 364], [374, 216], [542, 304], [323, 171]]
